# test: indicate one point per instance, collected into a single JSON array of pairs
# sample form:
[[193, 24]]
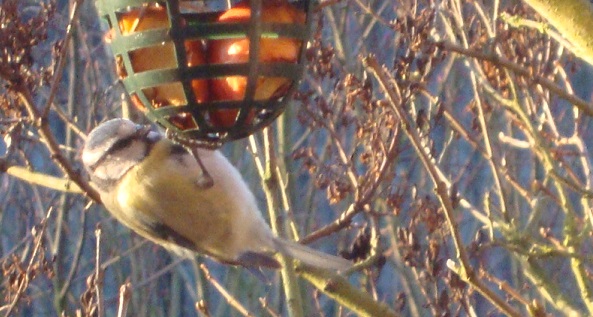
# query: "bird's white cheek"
[[91, 157], [104, 173], [110, 170]]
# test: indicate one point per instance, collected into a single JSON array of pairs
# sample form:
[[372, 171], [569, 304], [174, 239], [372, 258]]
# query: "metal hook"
[[204, 181]]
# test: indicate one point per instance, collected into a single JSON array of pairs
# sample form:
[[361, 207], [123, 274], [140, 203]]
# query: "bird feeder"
[[209, 71]]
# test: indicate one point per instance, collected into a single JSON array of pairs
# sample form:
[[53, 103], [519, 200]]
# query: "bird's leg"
[[204, 181]]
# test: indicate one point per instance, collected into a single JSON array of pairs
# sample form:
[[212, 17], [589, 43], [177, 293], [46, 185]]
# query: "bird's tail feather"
[[312, 257]]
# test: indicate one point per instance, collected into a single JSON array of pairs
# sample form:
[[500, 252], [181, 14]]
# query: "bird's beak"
[[145, 132], [142, 130]]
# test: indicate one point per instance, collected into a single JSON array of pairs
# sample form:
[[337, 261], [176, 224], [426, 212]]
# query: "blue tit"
[[149, 184]]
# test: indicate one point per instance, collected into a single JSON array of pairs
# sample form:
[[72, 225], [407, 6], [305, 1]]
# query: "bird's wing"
[[168, 205]]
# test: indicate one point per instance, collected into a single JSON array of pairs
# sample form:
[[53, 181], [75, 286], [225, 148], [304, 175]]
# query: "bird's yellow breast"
[[163, 191]]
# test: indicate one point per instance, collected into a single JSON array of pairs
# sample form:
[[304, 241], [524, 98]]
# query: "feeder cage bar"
[[169, 59]]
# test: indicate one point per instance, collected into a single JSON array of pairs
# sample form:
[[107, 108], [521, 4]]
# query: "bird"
[[150, 184]]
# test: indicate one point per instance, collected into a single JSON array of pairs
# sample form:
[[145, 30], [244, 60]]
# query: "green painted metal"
[[203, 26]]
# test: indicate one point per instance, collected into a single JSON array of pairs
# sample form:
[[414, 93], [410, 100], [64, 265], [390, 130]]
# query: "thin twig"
[[225, 294], [340, 289], [274, 198], [52, 144], [366, 196], [42, 179], [521, 71], [62, 59], [465, 270], [264, 304], [125, 294], [98, 272], [202, 307], [75, 260], [24, 283]]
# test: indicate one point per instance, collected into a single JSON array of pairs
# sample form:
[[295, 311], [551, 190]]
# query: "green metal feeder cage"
[[177, 92]]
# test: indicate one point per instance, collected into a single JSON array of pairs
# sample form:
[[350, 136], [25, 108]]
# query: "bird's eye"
[[120, 145]]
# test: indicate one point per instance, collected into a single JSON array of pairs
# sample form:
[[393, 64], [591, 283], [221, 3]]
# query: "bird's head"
[[114, 147]]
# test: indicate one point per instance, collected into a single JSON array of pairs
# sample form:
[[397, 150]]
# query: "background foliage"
[[442, 144]]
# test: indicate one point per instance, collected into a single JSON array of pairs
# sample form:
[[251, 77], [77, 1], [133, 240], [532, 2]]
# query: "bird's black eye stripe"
[[120, 145]]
